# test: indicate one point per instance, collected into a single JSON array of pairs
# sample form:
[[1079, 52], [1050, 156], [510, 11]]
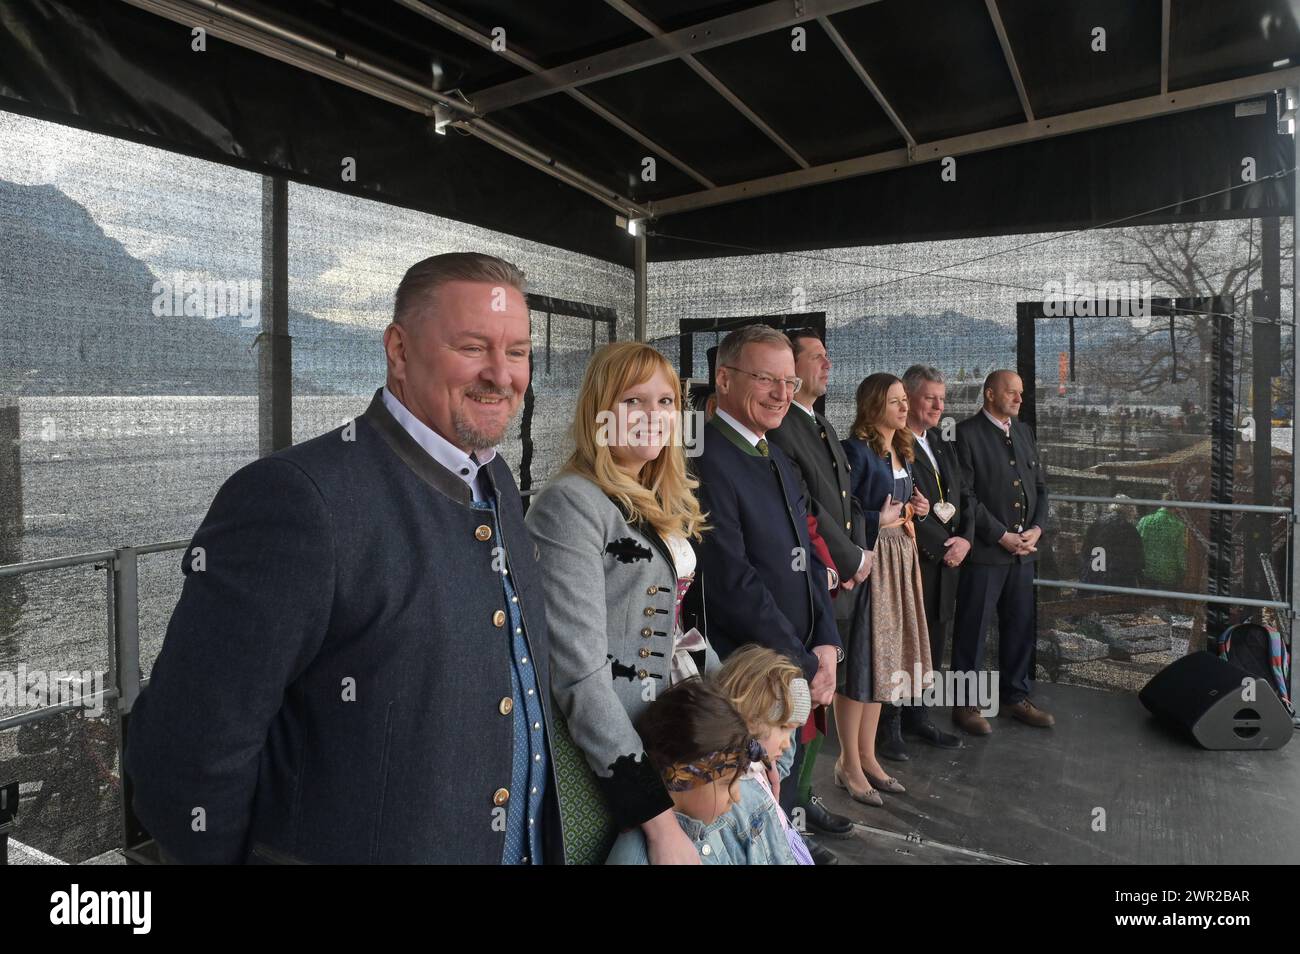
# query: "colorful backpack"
[[1259, 650]]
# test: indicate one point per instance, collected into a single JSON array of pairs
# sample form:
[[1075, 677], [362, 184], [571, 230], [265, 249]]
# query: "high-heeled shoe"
[[869, 797], [891, 785]]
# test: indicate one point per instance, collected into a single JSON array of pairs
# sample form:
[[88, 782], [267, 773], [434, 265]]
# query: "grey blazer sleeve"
[[571, 538]]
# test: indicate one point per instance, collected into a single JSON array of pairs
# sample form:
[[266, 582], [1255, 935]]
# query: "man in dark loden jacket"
[[810, 441], [762, 581], [1008, 495], [356, 670]]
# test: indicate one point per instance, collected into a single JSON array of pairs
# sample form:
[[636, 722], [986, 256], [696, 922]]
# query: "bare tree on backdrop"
[[1185, 260]]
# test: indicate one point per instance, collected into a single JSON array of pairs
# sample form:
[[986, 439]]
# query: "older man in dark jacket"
[[357, 667], [1008, 496], [943, 538], [762, 581]]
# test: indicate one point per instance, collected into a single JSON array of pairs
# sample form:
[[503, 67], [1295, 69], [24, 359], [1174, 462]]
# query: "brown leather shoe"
[[1030, 714], [968, 718]]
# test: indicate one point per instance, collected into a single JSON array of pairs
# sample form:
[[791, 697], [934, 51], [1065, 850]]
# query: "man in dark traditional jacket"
[[356, 670], [763, 582]]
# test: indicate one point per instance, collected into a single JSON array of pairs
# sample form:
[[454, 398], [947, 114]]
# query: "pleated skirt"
[[889, 643]]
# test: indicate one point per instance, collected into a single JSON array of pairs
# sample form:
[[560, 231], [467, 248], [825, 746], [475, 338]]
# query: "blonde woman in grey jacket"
[[614, 531]]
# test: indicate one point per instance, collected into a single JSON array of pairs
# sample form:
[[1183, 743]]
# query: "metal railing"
[[1279, 605], [1165, 594], [1173, 504], [122, 606], [123, 599]]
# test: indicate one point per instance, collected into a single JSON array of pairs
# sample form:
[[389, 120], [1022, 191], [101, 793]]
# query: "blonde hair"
[[757, 681], [663, 494]]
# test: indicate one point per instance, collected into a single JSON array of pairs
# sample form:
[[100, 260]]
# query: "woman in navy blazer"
[[888, 634]]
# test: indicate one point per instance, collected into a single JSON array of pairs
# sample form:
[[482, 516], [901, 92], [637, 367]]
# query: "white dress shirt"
[[1004, 428], [925, 446], [739, 428], [834, 573], [465, 466]]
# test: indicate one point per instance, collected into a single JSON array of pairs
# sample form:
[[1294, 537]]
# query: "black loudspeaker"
[[1210, 698]]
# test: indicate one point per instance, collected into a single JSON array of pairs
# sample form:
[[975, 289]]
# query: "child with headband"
[[699, 745], [770, 693]]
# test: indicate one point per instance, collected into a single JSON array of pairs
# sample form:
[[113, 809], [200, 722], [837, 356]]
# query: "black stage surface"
[[1029, 796]]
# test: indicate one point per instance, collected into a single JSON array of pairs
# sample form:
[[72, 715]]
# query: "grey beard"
[[473, 438]]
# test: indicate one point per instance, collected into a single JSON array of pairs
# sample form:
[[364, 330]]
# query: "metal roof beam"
[[467, 32], [721, 88], [1010, 56], [719, 31], [1164, 46], [1081, 121], [262, 36], [737, 104], [863, 75], [276, 42]]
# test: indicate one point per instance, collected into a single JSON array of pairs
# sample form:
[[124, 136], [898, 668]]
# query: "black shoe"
[[818, 818], [889, 737], [924, 729], [821, 855]]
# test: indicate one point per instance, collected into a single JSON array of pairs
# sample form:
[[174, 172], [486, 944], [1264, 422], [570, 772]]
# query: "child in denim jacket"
[[772, 696], [699, 744]]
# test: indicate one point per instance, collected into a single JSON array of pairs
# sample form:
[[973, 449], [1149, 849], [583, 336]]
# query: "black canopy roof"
[[772, 125]]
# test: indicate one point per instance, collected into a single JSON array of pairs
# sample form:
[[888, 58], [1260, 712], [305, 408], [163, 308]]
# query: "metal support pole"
[[274, 356], [126, 628], [1294, 587], [1265, 354], [639, 323], [124, 574], [12, 592], [1223, 456], [8, 816], [1026, 364]]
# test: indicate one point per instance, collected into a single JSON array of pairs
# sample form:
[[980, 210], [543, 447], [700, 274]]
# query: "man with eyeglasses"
[[762, 581]]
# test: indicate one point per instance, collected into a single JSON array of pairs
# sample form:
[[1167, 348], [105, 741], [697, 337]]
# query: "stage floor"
[[1029, 796]]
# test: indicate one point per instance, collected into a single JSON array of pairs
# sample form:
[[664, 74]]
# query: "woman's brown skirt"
[[890, 643]]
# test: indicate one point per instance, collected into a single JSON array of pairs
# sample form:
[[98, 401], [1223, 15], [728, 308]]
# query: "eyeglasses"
[[767, 381]]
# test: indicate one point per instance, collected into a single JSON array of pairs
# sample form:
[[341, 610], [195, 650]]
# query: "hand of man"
[[957, 548], [890, 510], [666, 843], [1029, 541], [822, 687], [1012, 542], [864, 569], [920, 505]]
